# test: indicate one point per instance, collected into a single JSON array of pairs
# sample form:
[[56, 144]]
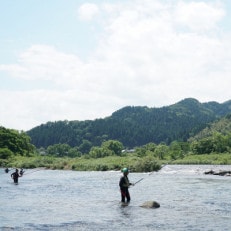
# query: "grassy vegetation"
[[16, 151], [212, 159], [135, 163]]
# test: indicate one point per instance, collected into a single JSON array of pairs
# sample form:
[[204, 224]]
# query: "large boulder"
[[150, 204]]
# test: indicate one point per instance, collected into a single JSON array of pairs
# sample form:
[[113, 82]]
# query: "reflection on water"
[[69, 200]]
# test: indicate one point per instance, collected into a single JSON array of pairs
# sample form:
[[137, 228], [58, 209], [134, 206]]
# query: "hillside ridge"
[[134, 125]]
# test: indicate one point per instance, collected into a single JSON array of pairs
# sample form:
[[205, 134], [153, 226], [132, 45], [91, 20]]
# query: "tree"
[[147, 164], [161, 151], [202, 146], [5, 153], [99, 152], [175, 150], [220, 142], [215, 143], [17, 142], [58, 150], [85, 146], [115, 146], [145, 150], [74, 152]]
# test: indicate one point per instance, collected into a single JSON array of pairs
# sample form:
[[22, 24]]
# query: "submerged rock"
[[150, 204], [220, 173]]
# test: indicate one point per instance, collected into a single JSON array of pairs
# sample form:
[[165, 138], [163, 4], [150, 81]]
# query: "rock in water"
[[220, 173], [150, 204]]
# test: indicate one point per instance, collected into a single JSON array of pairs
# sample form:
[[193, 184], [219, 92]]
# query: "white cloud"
[[199, 16], [45, 63], [144, 57], [87, 11]]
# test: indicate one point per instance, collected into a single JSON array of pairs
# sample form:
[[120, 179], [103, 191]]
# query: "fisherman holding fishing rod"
[[124, 185], [15, 175]]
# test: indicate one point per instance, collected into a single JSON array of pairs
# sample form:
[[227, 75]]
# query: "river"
[[70, 200]]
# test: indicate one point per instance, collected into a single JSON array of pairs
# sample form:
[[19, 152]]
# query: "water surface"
[[71, 200]]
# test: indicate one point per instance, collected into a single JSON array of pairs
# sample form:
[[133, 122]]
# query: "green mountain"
[[134, 125], [221, 126]]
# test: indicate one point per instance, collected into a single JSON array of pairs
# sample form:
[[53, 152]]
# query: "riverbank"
[[136, 164]]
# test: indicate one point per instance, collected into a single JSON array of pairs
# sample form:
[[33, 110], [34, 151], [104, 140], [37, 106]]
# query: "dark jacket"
[[124, 183], [15, 175]]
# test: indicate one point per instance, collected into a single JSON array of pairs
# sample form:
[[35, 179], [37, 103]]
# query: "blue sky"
[[79, 60]]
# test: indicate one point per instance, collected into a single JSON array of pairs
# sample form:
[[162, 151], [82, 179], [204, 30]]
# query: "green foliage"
[[16, 142], [221, 126], [85, 146], [146, 164], [134, 163], [99, 152], [178, 150], [133, 126], [145, 150], [211, 159], [113, 145], [102, 164], [58, 150], [216, 138], [216, 143], [74, 152], [108, 148], [161, 150], [5, 153], [61, 150], [36, 162]]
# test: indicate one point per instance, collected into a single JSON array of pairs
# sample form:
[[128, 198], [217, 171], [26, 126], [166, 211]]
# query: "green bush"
[[5, 153], [146, 164]]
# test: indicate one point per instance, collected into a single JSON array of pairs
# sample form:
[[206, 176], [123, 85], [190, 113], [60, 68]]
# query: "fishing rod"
[[143, 178], [138, 181]]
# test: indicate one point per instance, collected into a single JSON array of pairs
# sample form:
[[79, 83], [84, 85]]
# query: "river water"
[[71, 200]]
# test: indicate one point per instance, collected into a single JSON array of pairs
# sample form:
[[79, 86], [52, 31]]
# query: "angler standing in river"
[[124, 185], [15, 175]]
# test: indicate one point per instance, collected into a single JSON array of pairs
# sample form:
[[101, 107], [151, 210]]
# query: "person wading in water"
[[124, 185], [15, 175]]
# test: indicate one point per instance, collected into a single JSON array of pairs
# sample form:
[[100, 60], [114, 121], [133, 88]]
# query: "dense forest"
[[210, 145], [133, 126]]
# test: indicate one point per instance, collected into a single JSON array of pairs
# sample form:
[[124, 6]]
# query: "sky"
[[84, 60]]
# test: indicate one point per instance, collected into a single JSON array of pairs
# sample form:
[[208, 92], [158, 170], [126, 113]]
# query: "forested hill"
[[134, 125], [219, 127]]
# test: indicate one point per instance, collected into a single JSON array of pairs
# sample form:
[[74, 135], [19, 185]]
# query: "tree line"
[[133, 126], [216, 138], [216, 143]]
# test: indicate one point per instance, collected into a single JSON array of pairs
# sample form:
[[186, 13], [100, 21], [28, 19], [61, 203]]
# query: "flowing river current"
[[71, 200]]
